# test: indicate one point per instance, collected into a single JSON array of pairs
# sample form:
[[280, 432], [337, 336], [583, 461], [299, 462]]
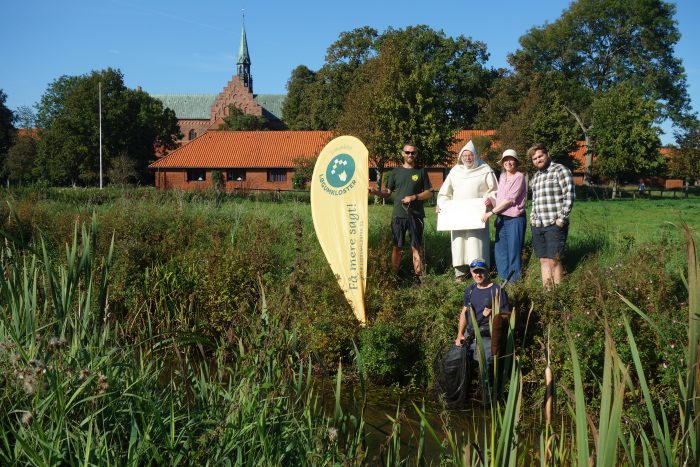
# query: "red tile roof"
[[246, 149], [580, 154], [31, 132], [463, 136]]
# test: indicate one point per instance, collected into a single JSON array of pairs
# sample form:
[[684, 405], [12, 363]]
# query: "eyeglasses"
[[410, 153], [478, 265]]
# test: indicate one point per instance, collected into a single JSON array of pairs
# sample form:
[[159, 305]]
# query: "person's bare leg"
[[547, 273], [396, 259], [557, 271], [417, 262]]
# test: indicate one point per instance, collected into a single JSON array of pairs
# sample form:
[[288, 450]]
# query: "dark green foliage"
[[685, 162], [626, 140], [648, 275], [417, 72], [386, 352], [133, 125], [237, 120], [600, 44], [299, 94], [303, 171], [20, 159], [7, 129]]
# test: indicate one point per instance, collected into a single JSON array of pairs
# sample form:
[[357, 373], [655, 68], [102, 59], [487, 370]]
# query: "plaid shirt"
[[552, 195]]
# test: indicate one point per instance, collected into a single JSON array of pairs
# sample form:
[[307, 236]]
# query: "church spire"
[[243, 61]]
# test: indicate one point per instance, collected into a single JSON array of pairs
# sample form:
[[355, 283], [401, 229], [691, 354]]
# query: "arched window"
[[192, 134]]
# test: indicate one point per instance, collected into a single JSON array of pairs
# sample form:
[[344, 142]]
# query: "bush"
[[384, 352]]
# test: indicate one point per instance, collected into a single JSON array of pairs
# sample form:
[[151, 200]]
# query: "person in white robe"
[[470, 178]]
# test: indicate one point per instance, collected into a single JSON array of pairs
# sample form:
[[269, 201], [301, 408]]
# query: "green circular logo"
[[340, 170]]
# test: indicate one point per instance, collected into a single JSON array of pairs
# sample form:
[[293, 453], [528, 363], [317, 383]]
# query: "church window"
[[192, 134]]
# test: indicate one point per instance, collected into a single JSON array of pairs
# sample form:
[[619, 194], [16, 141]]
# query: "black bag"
[[452, 375]]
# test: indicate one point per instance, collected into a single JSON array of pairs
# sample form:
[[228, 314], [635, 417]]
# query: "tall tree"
[[344, 61], [626, 140], [133, 124], [7, 129], [295, 110], [597, 44], [20, 158], [527, 109], [397, 101], [317, 100], [458, 64]]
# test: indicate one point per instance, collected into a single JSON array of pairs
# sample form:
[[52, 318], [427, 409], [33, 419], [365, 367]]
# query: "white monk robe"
[[465, 183]]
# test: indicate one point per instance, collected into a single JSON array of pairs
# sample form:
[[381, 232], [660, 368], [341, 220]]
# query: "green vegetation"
[[181, 325]]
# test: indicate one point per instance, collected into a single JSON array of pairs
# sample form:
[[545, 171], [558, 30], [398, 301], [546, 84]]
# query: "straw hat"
[[509, 153]]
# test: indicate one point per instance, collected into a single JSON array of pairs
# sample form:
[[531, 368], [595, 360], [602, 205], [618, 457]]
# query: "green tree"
[[626, 140], [303, 171], [597, 44], [396, 101], [7, 129], [20, 159], [318, 100], [527, 110], [237, 120], [133, 124], [684, 162], [295, 110], [122, 170], [25, 117], [457, 68]]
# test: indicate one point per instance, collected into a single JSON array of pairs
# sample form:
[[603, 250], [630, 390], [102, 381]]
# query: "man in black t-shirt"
[[410, 186]]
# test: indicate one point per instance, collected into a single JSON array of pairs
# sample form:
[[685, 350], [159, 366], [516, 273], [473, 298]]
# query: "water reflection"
[[384, 404]]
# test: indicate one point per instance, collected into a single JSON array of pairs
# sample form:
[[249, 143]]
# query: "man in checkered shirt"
[[552, 198]]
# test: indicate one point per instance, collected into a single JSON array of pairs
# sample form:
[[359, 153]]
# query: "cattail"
[[549, 388], [549, 395]]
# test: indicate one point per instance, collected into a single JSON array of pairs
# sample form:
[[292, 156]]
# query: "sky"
[[174, 46]]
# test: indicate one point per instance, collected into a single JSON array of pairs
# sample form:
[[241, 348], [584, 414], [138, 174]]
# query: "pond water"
[[382, 402]]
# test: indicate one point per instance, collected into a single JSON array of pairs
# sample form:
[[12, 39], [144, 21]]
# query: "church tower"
[[243, 62]]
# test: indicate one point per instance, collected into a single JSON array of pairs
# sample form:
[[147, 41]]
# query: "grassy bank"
[[192, 268], [184, 284]]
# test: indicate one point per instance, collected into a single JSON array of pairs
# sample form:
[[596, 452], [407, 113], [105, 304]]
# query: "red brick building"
[[246, 159], [199, 113], [259, 159]]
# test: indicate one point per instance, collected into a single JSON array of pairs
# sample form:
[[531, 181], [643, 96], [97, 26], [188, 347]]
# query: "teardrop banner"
[[339, 210]]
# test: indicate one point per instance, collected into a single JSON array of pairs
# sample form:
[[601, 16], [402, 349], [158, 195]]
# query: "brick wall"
[[199, 126], [237, 94], [255, 179]]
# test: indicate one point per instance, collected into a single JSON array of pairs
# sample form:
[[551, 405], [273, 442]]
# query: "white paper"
[[461, 214]]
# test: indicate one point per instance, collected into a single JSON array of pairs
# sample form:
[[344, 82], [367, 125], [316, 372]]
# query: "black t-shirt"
[[483, 298], [406, 182]]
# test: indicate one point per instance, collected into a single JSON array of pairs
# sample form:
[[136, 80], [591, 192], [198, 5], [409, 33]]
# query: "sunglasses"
[[410, 153], [478, 265]]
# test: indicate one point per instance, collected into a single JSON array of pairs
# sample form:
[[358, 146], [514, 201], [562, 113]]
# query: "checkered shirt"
[[552, 195]]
